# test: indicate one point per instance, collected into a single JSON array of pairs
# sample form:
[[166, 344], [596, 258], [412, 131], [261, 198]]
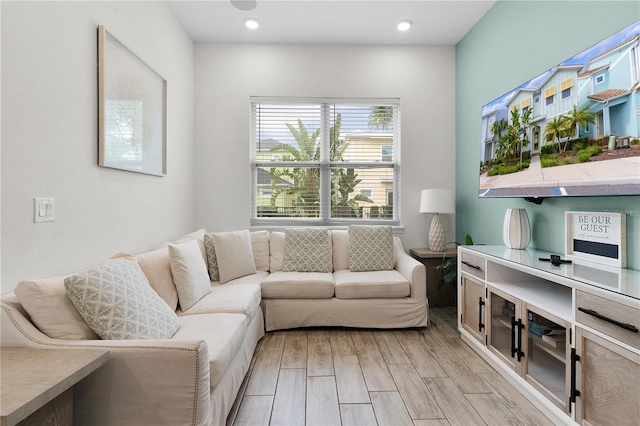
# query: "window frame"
[[325, 165]]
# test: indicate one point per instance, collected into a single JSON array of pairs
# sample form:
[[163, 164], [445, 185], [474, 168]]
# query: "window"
[[549, 100], [537, 99], [600, 79], [566, 93], [326, 162]]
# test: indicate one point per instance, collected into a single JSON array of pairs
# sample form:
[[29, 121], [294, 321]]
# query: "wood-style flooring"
[[419, 377]]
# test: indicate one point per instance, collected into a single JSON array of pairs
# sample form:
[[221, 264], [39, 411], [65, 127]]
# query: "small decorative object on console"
[[516, 233], [596, 237]]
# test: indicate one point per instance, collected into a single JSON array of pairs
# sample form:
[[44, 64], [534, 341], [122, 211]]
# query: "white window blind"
[[325, 161]]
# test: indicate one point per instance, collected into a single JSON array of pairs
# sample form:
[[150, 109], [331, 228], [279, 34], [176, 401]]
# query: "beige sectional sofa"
[[193, 377]]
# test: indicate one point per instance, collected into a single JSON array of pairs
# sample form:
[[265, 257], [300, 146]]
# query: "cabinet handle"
[[573, 393], [480, 305], [591, 312], [520, 328], [470, 265]]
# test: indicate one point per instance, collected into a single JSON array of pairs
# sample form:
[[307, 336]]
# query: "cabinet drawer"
[[604, 314], [473, 265]]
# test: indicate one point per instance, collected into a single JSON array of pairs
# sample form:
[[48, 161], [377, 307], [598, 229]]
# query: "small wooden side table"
[[37, 384], [447, 295]]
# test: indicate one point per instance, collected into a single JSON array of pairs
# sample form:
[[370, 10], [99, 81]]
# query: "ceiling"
[[369, 22]]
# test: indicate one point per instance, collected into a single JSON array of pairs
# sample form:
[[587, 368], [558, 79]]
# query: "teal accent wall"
[[514, 42]]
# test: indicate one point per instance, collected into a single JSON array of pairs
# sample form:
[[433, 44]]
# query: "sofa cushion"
[[156, 266], [298, 285], [234, 254], [370, 248], [51, 310], [276, 254], [117, 302], [212, 261], [231, 299], [307, 250], [223, 333], [260, 247], [189, 273], [198, 236], [340, 249], [247, 279], [371, 284]]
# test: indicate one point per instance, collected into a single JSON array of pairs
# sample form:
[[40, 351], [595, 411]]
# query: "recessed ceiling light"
[[244, 4], [251, 23], [404, 25]]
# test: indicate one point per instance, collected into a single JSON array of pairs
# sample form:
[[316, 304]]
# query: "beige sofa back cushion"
[[51, 310], [157, 268], [340, 240], [260, 246], [276, 243]]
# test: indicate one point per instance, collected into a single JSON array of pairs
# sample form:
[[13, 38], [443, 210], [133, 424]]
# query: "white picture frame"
[[132, 101], [599, 237]]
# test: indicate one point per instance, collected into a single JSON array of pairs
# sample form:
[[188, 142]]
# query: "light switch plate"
[[44, 210]]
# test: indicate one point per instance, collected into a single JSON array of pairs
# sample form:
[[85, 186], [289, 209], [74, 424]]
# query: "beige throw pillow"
[[157, 268], [370, 248], [307, 250], [117, 302], [212, 261], [46, 302], [189, 273], [233, 254]]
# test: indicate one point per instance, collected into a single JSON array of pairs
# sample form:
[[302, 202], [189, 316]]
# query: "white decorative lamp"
[[438, 201], [516, 231]]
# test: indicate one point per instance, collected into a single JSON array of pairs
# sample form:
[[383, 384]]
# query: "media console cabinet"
[[565, 336]]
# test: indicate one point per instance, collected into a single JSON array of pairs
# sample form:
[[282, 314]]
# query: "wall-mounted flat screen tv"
[[574, 130]]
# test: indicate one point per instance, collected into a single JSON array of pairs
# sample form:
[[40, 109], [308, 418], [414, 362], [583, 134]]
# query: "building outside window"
[[325, 162]]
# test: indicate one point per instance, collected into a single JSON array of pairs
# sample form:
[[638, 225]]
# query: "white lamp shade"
[[516, 231], [437, 201]]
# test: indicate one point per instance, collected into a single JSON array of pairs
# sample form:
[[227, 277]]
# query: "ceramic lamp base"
[[436, 234]]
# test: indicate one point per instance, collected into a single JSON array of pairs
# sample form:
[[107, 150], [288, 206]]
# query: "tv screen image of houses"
[[574, 130]]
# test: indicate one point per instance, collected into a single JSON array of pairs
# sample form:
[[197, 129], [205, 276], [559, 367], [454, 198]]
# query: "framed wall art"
[[131, 110]]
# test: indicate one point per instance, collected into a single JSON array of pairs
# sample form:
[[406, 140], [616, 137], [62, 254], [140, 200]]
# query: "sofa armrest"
[[413, 271], [161, 382]]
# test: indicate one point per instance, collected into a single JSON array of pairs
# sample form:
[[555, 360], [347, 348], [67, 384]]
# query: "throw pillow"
[[234, 254], [212, 261], [157, 268], [46, 302], [370, 248], [307, 250], [189, 273], [117, 302]]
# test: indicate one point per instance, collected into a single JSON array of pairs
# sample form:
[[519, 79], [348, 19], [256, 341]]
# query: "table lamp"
[[438, 201]]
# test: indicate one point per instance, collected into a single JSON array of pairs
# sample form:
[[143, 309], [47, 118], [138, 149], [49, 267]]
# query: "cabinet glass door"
[[545, 365], [503, 327]]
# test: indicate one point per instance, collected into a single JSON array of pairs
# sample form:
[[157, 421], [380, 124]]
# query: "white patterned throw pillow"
[[370, 248], [117, 302], [307, 250]]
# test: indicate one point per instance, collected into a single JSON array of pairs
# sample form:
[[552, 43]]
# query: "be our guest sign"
[[597, 236]]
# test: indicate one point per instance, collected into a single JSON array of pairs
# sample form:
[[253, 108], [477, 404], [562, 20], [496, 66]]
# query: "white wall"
[[228, 74], [49, 137]]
